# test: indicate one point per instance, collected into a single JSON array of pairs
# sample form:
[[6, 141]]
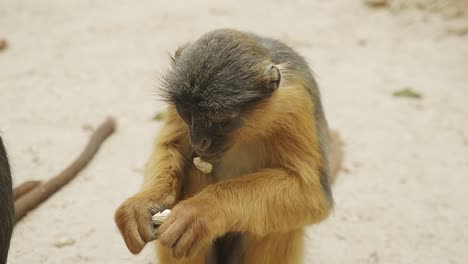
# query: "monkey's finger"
[[146, 230], [145, 226], [171, 234], [185, 243], [128, 228], [164, 226], [132, 237]]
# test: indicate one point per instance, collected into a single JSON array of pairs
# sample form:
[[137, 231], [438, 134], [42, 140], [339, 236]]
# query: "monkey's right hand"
[[133, 218]]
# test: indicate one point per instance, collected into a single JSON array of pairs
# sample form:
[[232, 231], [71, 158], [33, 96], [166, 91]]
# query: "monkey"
[[250, 106], [6, 204]]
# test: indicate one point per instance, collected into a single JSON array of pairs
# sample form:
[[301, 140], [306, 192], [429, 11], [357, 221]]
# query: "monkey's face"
[[214, 81], [210, 134]]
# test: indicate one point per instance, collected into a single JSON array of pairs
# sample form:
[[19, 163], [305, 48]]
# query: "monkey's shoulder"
[[280, 52]]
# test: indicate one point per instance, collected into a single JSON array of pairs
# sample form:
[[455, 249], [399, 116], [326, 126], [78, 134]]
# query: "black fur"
[[281, 53], [228, 249], [224, 72], [6, 204], [218, 73]]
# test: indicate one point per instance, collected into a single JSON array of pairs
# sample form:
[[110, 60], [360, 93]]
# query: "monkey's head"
[[214, 82]]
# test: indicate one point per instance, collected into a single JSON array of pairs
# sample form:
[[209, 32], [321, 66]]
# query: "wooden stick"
[[24, 188], [35, 197], [3, 44]]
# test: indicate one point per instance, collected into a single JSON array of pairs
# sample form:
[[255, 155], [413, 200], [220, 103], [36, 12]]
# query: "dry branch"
[[39, 194], [24, 188]]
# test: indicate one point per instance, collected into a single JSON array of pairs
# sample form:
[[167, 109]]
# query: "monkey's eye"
[[220, 120], [223, 119]]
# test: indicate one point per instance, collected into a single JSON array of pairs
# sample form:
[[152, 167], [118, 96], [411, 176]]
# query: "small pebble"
[[64, 242], [3, 44], [376, 3]]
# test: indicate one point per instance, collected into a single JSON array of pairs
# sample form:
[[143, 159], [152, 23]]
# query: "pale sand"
[[68, 66]]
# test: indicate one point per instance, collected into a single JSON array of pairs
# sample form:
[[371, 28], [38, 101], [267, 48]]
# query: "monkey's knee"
[[164, 256], [275, 248]]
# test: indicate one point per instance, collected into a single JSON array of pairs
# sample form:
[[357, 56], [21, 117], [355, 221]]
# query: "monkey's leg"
[[228, 249], [275, 248], [270, 200], [193, 182], [165, 256]]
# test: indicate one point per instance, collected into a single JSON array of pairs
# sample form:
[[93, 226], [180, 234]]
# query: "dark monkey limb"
[[40, 193], [6, 204]]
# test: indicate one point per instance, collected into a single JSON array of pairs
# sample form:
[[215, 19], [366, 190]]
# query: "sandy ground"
[[402, 197]]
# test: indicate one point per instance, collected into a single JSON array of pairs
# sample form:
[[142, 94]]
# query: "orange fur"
[[266, 186]]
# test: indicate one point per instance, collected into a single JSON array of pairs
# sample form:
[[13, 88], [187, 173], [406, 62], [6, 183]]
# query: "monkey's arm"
[[161, 184], [294, 193], [163, 171], [270, 200]]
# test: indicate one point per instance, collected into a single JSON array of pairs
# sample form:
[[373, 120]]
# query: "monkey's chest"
[[236, 162], [242, 160]]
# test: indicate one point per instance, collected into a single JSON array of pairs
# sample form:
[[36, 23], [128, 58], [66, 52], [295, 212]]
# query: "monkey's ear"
[[178, 52], [272, 77]]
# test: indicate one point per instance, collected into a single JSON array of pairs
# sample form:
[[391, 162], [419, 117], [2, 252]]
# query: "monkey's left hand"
[[191, 225]]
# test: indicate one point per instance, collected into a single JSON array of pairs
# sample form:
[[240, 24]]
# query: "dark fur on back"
[[6, 205], [219, 72], [282, 53]]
